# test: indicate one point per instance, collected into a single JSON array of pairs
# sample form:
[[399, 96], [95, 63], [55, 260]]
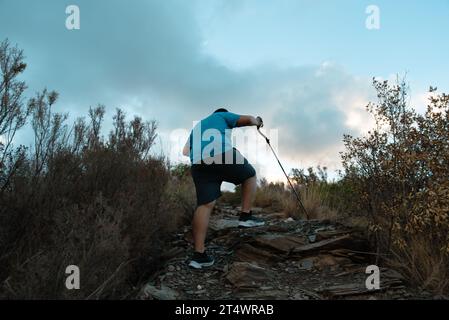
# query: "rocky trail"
[[285, 259]]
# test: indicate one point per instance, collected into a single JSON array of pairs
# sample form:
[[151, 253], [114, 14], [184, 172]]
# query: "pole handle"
[[265, 137]]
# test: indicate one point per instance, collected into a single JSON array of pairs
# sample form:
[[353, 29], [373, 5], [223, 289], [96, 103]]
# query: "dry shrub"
[[399, 178], [180, 198], [105, 205]]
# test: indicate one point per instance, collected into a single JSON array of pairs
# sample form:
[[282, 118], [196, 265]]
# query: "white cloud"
[[149, 59], [420, 101]]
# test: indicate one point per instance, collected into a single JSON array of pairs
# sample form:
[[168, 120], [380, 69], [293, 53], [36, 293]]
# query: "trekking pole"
[[286, 175]]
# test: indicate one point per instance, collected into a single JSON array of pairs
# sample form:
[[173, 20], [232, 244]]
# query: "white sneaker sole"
[[250, 224], [197, 265]]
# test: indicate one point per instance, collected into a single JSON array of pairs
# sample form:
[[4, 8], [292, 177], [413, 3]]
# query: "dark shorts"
[[209, 177]]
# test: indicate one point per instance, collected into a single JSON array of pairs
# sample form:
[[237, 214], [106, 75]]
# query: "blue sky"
[[305, 66], [411, 37], [307, 32]]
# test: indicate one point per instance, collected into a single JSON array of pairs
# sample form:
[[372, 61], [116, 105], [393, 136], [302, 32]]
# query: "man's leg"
[[246, 219], [249, 187], [200, 225]]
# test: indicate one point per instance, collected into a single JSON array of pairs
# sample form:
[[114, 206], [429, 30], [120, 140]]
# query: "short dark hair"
[[221, 110]]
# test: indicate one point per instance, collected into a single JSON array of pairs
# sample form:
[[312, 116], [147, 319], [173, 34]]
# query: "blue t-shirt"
[[212, 136]]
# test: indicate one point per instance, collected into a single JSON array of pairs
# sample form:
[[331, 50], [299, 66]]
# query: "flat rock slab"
[[248, 275], [276, 229], [280, 243], [248, 253], [322, 261], [329, 244], [323, 235]]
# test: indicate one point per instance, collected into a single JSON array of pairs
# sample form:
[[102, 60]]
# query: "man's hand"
[[259, 122], [186, 149]]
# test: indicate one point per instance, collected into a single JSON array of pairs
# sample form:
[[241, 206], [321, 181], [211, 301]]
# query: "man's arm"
[[245, 121], [186, 149]]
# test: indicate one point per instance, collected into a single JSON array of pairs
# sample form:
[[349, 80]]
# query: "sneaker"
[[200, 260], [247, 220]]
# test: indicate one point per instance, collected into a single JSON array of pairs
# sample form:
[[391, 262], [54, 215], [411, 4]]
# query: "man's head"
[[221, 110]]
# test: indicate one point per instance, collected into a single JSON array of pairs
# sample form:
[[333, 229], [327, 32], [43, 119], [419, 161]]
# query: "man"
[[214, 160]]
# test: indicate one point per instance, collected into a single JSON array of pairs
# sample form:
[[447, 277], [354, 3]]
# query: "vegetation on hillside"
[[395, 181], [107, 204], [75, 197]]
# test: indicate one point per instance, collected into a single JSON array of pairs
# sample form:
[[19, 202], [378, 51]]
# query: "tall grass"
[[423, 263], [317, 198]]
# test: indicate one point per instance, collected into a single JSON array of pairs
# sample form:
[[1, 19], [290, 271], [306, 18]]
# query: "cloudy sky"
[[305, 66]]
